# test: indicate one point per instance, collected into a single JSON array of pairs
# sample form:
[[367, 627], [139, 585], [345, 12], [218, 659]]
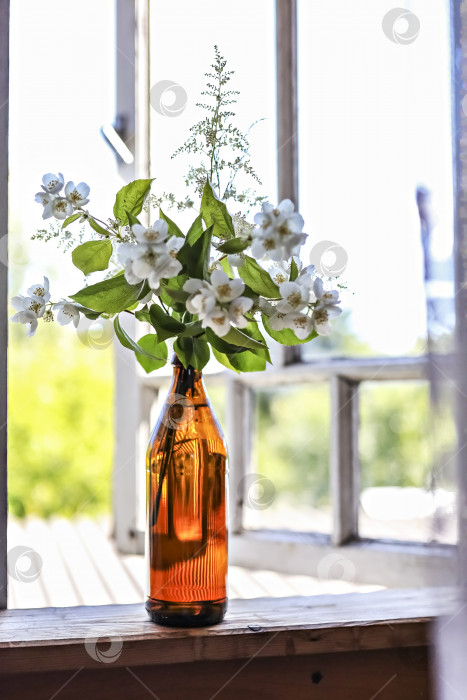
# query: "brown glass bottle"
[[186, 508]]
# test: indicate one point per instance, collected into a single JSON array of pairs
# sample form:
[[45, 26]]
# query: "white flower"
[[67, 312], [295, 296], [40, 290], [277, 321], [214, 265], [46, 200], [29, 310], [61, 208], [151, 262], [52, 184], [226, 289], [238, 307], [242, 228], [301, 324], [217, 319], [77, 195], [202, 298], [278, 232], [236, 259], [330, 298], [157, 233], [321, 316]]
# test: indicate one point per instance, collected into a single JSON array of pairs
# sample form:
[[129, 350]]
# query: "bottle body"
[[187, 508]]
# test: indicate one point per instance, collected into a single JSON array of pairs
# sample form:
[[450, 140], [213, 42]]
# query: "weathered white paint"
[[4, 97]]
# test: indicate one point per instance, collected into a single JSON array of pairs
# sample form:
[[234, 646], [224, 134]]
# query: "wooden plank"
[[53, 639], [90, 583], [384, 675], [459, 10], [29, 591], [286, 100], [4, 97], [344, 462], [239, 435]]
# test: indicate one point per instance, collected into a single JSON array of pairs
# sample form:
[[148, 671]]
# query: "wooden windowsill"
[[52, 639]]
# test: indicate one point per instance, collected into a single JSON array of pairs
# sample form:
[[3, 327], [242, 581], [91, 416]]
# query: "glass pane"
[[60, 432], [375, 124], [407, 464], [289, 484], [177, 83]]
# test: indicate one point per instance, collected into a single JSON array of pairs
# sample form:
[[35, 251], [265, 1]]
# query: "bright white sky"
[[374, 123]]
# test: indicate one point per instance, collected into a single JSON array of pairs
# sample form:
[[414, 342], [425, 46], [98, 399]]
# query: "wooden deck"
[[79, 565]]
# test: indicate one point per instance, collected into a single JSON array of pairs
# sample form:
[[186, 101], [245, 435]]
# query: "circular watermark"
[[329, 258], [401, 26], [103, 648], [179, 412], [24, 564], [336, 567], [97, 333], [256, 491], [14, 256], [168, 98]]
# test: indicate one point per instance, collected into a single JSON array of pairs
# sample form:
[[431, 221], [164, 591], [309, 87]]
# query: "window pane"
[[181, 53], [375, 123], [408, 463], [289, 485]]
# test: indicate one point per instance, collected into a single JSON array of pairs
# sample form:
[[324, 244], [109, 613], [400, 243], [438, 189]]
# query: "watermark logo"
[[103, 648], [336, 567], [257, 491], [168, 98], [401, 26], [16, 256], [24, 564], [329, 258], [179, 412], [96, 333]]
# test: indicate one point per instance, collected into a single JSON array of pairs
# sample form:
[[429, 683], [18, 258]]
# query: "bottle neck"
[[188, 382]]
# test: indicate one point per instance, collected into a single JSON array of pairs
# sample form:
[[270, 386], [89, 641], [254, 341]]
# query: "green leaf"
[[99, 229], [286, 336], [130, 199], [72, 218], [258, 279], [227, 267], [191, 329], [172, 294], [236, 337], [110, 296], [173, 228], [195, 253], [89, 313], [129, 343], [132, 219], [253, 331], [235, 245], [143, 315], [215, 214], [293, 271], [150, 344], [192, 351], [222, 345], [224, 360], [247, 362], [91, 256], [164, 325]]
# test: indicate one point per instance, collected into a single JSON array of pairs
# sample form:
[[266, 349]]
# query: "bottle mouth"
[[175, 361]]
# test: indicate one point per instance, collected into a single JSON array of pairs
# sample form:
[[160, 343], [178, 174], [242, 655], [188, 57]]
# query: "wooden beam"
[[287, 110], [460, 260], [4, 98], [54, 639], [344, 463]]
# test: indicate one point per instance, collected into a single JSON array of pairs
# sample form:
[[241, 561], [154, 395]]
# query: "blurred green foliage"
[[60, 429]]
